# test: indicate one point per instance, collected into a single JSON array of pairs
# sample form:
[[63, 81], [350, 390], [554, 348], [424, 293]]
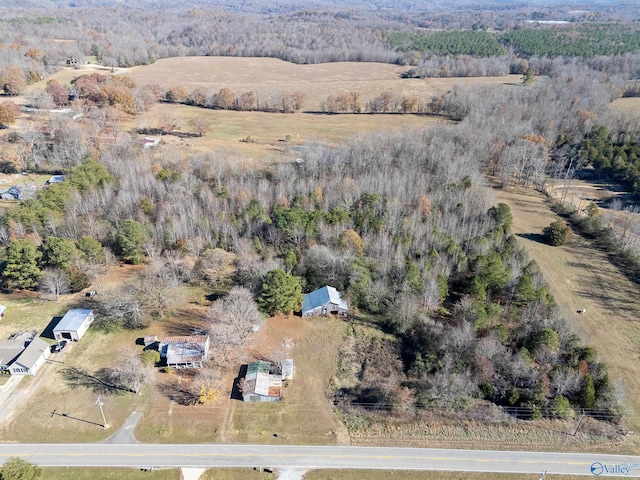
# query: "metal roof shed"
[[73, 325], [323, 301], [261, 386]]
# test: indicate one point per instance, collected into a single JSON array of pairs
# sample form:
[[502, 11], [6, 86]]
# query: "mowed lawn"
[[88, 473], [413, 475]]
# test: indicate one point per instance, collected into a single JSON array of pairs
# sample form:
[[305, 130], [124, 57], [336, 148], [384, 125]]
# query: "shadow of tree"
[[176, 329], [196, 325], [178, 391], [99, 383], [236, 394], [534, 237]]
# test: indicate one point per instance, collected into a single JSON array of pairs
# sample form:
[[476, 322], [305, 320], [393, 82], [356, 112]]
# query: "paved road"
[[311, 457]]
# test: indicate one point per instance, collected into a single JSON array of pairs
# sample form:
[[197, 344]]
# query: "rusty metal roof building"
[[261, 386]]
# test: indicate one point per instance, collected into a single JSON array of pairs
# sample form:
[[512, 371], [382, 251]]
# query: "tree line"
[[227, 99]]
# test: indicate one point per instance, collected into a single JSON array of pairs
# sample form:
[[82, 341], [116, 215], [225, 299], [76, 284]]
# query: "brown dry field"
[[628, 104], [580, 277], [272, 76], [268, 131]]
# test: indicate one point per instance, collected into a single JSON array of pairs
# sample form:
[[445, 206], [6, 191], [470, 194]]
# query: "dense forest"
[[400, 222], [581, 41]]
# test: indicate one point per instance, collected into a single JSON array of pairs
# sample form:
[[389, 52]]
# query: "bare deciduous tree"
[[199, 125], [238, 309], [55, 282], [206, 387], [232, 318], [123, 305], [214, 265], [156, 286], [129, 372], [168, 122]]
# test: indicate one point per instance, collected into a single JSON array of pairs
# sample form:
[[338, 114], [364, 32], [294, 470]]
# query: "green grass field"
[[237, 474], [412, 475], [61, 473]]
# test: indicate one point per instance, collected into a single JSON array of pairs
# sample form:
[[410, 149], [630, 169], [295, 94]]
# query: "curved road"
[[312, 457]]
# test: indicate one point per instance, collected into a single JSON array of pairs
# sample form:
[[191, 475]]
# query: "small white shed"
[[73, 325], [287, 369]]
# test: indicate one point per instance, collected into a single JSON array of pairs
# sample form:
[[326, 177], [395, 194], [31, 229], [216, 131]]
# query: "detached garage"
[[73, 325]]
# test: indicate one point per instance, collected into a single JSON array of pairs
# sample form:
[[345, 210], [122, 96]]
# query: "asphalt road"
[[312, 457]]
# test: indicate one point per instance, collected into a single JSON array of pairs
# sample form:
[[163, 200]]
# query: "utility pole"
[[104, 420]]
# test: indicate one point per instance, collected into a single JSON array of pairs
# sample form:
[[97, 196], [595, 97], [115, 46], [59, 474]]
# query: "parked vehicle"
[[58, 346]]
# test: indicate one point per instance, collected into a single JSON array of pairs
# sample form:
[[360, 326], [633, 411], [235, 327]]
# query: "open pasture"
[[581, 277], [274, 134], [627, 104], [269, 132], [272, 76]]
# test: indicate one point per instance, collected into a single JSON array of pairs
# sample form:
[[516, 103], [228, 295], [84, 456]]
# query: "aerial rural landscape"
[[319, 240]]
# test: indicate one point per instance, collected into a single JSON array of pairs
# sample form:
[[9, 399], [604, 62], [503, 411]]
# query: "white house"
[[31, 358], [23, 354], [324, 301], [10, 350], [73, 325]]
